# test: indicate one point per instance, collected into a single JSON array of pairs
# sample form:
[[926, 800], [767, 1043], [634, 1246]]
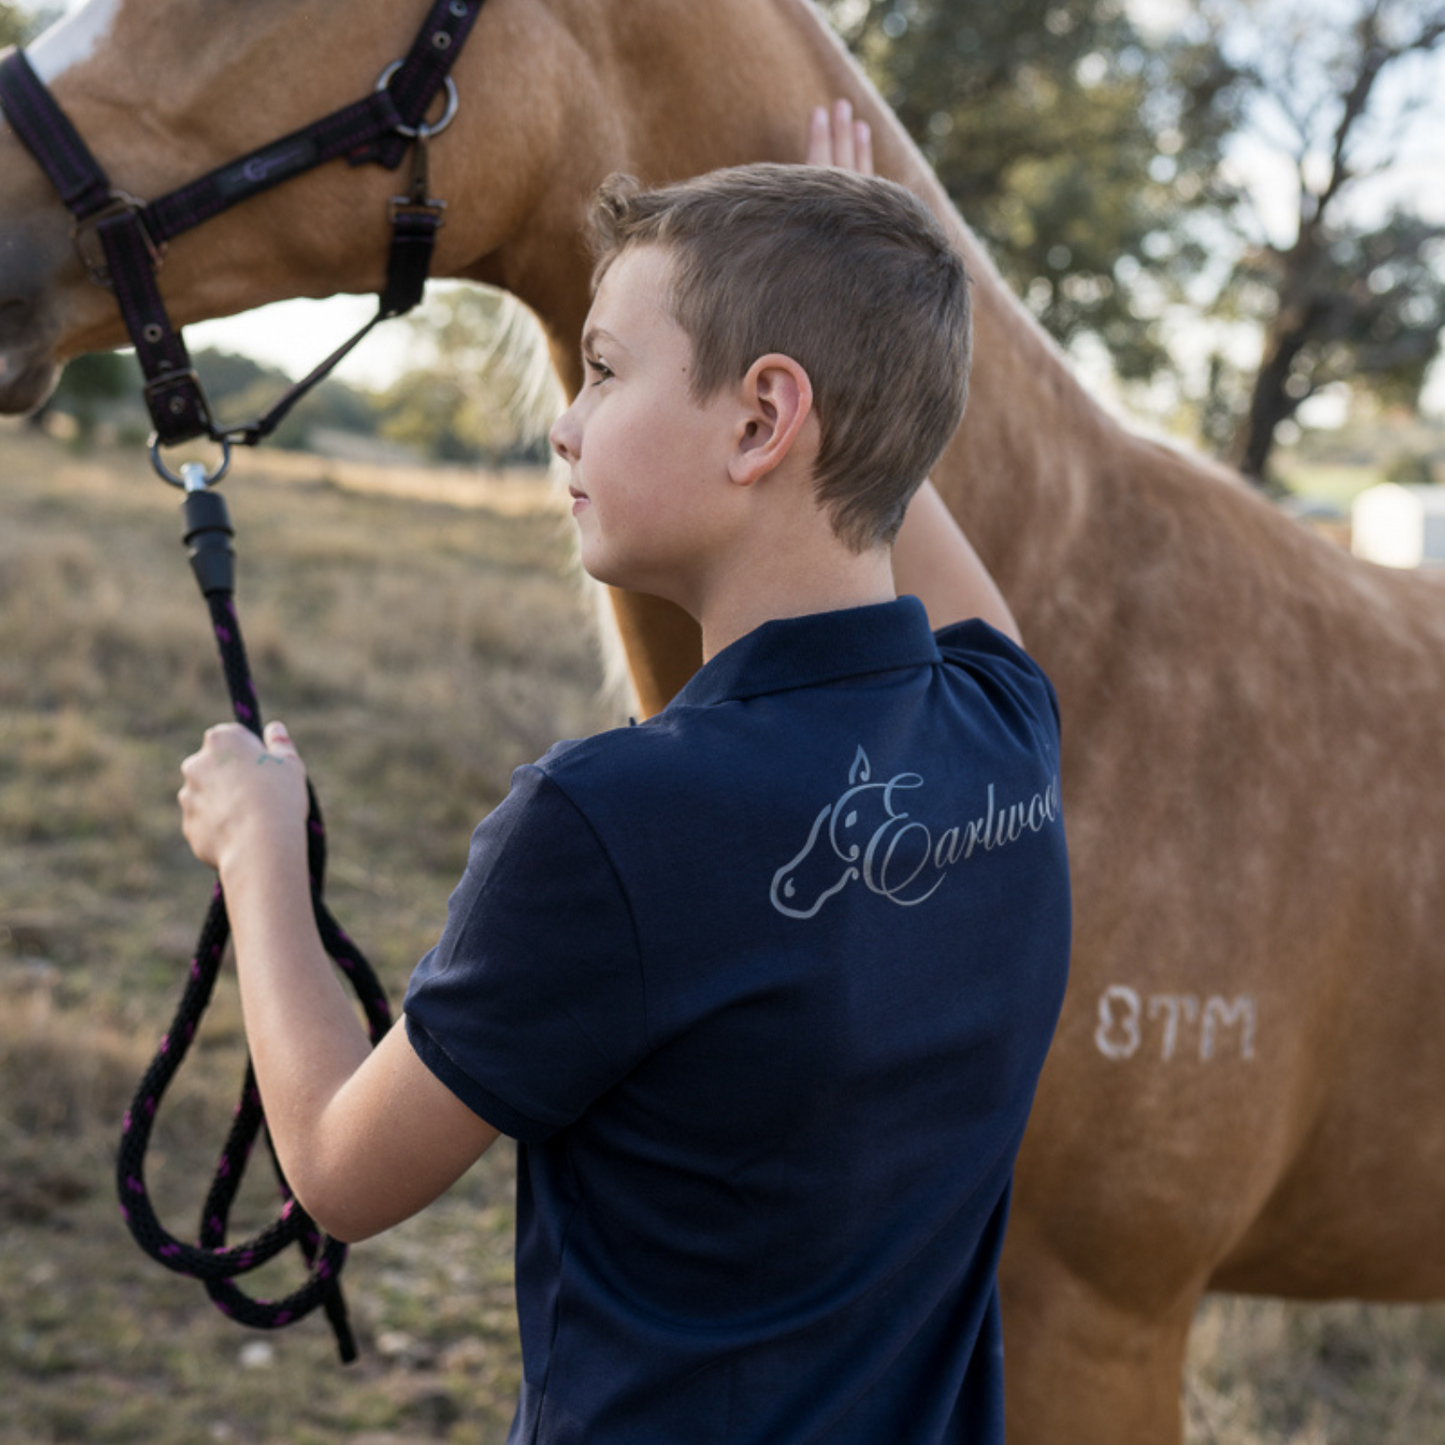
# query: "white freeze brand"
[[72, 39], [868, 836]]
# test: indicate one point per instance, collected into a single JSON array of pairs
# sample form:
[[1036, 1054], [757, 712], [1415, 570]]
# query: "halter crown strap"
[[132, 234]]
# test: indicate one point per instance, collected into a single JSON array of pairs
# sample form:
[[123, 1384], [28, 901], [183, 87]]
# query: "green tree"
[[12, 28], [88, 384], [1077, 148], [1350, 288], [19, 24], [241, 390]]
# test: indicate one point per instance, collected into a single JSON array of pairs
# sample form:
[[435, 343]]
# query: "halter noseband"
[[122, 240]]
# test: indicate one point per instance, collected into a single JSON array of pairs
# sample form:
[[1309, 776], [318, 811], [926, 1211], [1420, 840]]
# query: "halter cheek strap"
[[122, 240]]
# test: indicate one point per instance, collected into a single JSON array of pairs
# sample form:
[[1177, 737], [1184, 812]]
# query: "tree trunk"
[[1269, 403]]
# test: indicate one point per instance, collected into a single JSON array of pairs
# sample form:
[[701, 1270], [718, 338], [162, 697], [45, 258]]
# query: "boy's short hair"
[[850, 276]]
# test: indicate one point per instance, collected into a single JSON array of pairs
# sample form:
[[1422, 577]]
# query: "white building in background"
[[1399, 526]]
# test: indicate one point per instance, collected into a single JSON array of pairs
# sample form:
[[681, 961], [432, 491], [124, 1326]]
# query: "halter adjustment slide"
[[85, 236]]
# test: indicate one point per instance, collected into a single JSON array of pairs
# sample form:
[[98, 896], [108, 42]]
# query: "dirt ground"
[[408, 634]]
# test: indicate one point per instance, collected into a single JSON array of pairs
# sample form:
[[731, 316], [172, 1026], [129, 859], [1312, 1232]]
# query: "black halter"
[[122, 240]]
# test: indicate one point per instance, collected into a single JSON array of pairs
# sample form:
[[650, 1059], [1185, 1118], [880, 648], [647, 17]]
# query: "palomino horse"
[[1246, 1090]]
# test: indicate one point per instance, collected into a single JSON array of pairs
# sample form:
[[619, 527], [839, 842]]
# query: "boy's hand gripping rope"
[[208, 535]]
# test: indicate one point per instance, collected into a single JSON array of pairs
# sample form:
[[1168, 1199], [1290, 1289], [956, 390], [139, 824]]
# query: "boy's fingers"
[[863, 147], [843, 135], [835, 138], [820, 138], [226, 740], [278, 742]]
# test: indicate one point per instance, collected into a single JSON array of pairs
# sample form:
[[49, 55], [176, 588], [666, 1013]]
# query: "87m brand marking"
[[1218, 1027]]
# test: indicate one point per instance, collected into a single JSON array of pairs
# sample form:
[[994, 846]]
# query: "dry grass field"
[[420, 641]]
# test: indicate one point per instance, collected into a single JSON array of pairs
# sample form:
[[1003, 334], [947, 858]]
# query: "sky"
[[295, 335]]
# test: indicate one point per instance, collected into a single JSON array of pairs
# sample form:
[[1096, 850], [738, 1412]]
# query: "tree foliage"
[[89, 385], [1102, 166], [12, 27], [18, 24], [1350, 289], [483, 388], [1074, 146]]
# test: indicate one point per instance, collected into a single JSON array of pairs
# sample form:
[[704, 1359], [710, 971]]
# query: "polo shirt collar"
[[822, 647]]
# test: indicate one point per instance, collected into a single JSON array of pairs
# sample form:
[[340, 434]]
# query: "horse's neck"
[[1020, 468], [737, 86]]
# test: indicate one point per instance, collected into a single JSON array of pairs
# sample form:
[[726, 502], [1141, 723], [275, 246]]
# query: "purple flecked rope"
[[211, 1259]]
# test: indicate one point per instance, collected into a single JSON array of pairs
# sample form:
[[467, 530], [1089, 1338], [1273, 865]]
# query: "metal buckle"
[[405, 206], [193, 476], [188, 393], [166, 381], [418, 200], [411, 132], [88, 244]]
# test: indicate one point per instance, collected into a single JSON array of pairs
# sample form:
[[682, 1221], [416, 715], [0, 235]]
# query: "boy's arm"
[[932, 558], [935, 561], [366, 1137]]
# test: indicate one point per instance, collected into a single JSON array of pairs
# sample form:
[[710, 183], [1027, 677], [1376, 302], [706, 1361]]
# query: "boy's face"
[[646, 459]]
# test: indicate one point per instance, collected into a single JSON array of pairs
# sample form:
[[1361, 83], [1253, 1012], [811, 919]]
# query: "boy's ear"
[[777, 400]]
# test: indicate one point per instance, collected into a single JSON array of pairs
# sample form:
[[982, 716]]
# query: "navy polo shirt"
[[763, 987]]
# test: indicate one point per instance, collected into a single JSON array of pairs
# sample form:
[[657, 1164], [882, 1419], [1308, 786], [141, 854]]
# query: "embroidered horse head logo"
[[844, 844]]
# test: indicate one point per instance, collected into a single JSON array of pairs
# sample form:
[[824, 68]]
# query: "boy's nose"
[[565, 436]]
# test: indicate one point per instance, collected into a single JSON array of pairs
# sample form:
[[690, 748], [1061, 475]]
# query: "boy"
[[763, 985]]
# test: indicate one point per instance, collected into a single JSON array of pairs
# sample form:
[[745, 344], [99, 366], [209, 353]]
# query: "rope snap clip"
[[193, 476]]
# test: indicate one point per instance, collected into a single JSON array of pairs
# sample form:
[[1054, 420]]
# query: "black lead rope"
[[121, 240], [208, 536]]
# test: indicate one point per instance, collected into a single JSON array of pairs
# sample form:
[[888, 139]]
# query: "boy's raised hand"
[[835, 138]]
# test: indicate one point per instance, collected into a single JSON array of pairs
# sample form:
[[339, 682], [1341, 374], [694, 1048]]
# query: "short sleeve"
[[1005, 672], [531, 1005]]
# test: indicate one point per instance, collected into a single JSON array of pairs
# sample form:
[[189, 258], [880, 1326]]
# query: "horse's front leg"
[[661, 644], [1083, 1369]]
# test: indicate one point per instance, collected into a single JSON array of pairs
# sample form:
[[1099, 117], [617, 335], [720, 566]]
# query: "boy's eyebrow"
[[593, 335]]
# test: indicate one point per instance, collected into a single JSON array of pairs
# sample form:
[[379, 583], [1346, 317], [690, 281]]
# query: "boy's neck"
[[776, 554], [791, 582]]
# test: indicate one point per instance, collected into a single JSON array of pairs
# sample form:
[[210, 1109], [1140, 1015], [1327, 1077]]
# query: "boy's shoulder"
[[985, 653], [797, 690]]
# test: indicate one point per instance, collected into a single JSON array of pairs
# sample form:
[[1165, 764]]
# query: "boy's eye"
[[598, 368]]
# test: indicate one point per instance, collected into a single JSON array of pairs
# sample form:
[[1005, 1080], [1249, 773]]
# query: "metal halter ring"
[[193, 475], [412, 132]]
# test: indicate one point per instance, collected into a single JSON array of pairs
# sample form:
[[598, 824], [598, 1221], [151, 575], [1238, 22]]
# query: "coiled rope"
[[211, 1260]]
